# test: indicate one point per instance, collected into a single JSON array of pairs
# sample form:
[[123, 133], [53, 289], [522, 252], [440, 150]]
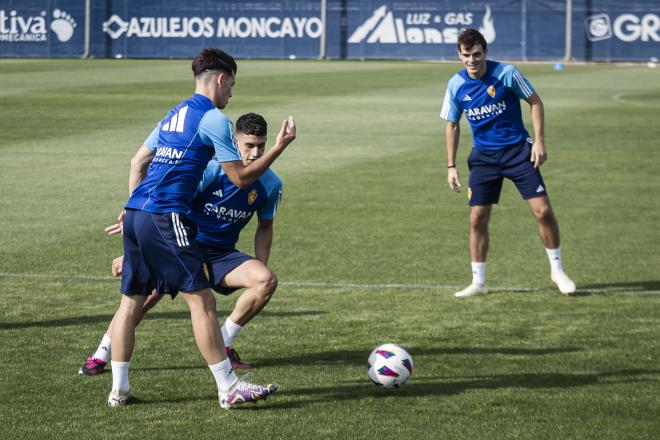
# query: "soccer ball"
[[389, 366]]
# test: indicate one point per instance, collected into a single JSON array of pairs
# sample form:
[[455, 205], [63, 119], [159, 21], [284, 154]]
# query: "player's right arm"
[[243, 176], [451, 112], [139, 164], [452, 136]]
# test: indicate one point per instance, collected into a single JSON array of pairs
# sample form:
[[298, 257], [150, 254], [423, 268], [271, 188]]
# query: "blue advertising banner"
[[603, 30], [616, 31], [429, 29], [165, 29], [33, 28]]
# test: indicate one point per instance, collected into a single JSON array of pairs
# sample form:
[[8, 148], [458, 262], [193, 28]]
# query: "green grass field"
[[370, 244]]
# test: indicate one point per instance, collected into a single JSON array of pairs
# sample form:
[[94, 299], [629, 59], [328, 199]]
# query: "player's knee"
[[543, 213], [266, 282], [201, 302], [478, 221]]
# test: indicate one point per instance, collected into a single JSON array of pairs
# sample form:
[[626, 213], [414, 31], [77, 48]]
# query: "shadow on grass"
[[641, 286], [96, 319], [358, 357], [425, 387]]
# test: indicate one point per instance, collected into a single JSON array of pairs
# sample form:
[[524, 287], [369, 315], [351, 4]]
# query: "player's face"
[[251, 147], [224, 85], [474, 60]]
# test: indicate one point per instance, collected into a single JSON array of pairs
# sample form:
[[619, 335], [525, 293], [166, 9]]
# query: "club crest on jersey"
[[491, 91], [252, 196]]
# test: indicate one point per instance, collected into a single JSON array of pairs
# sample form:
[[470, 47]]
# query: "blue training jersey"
[[221, 209], [185, 141], [491, 105]]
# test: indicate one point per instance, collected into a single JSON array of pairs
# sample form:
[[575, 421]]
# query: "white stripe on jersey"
[[182, 119], [522, 84], [444, 113]]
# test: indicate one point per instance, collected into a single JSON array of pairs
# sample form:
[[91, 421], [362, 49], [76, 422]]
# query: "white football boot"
[[118, 398], [563, 282], [473, 289]]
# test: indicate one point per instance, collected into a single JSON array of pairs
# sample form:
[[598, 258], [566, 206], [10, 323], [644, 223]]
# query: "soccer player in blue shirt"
[[221, 210], [160, 250], [489, 94]]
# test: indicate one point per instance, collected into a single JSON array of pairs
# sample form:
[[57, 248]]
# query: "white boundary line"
[[343, 285]]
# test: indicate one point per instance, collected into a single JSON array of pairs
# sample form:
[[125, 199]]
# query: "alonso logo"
[[419, 28]]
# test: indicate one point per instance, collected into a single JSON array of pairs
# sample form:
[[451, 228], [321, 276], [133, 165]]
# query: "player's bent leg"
[[260, 284]]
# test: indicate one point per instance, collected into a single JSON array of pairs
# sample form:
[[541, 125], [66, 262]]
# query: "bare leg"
[[259, 283], [479, 218], [205, 325], [549, 232], [123, 327], [149, 304], [545, 217]]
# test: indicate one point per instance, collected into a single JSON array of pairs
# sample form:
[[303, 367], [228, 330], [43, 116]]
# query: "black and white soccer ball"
[[389, 366]]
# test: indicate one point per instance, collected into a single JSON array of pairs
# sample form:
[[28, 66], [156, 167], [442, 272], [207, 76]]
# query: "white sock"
[[103, 352], [120, 376], [229, 331], [479, 273], [554, 255], [224, 375]]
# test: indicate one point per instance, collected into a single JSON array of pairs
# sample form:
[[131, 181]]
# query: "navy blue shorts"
[[489, 168], [219, 263], [160, 252]]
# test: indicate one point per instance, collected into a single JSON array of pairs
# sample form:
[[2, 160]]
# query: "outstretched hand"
[[287, 133]]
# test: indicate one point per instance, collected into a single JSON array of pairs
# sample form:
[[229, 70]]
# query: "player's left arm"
[[263, 237], [263, 240], [539, 153]]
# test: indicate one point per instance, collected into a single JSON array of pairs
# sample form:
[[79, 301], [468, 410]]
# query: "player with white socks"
[[218, 233], [489, 93]]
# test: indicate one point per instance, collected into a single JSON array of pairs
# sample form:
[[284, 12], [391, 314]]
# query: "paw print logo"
[[63, 25]]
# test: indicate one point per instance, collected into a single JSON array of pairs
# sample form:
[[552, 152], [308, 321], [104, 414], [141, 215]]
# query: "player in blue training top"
[[489, 94], [221, 210], [160, 251]]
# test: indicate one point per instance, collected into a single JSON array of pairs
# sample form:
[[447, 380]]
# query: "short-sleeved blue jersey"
[[221, 209], [491, 105], [183, 142]]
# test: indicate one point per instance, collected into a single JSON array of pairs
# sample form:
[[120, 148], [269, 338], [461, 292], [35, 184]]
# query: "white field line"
[[342, 285]]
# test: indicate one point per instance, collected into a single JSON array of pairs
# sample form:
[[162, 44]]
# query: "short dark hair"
[[252, 123], [214, 59], [469, 38]]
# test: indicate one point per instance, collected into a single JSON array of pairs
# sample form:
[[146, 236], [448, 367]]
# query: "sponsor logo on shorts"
[[540, 189], [252, 196], [469, 193]]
